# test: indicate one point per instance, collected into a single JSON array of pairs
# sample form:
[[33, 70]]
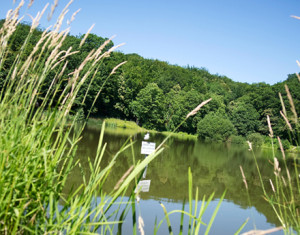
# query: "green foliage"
[[256, 139], [235, 139], [273, 143], [215, 127], [178, 105], [286, 144], [244, 117], [148, 107]]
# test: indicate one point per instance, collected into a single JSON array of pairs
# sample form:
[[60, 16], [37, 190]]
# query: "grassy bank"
[[130, 127], [115, 123], [121, 127], [180, 135]]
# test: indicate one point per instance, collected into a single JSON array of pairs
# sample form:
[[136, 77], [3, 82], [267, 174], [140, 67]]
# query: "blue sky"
[[245, 40]]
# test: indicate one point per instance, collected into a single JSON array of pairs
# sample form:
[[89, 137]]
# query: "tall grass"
[[37, 147], [284, 196], [38, 144]]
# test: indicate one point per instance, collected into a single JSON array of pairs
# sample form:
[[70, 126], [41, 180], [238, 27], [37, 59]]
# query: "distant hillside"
[[158, 95]]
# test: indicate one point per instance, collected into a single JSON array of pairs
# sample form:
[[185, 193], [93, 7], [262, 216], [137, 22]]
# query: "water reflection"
[[215, 168]]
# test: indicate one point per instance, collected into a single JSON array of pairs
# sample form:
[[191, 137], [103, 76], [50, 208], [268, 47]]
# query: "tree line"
[[158, 95]]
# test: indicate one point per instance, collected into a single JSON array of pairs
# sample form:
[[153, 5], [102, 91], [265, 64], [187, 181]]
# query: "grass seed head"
[[281, 147], [244, 178], [141, 225], [195, 110], [272, 186], [276, 167], [282, 104], [73, 16], [30, 3], [86, 35], [270, 127], [291, 103], [286, 121], [250, 145]]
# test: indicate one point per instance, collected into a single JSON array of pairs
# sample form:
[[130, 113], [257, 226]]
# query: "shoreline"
[[133, 128]]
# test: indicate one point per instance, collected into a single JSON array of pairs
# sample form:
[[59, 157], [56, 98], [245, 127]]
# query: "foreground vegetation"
[[284, 196], [38, 141]]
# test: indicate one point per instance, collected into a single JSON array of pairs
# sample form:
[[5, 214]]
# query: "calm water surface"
[[215, 168]]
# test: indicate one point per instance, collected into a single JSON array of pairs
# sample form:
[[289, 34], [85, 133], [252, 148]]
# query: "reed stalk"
[[284, 196]]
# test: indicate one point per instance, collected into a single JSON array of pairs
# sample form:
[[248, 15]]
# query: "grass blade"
[[181, 218], [214, 214], [242, 226], [167, 219]]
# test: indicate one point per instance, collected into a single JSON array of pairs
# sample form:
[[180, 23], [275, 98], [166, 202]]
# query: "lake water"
[[215, 168]]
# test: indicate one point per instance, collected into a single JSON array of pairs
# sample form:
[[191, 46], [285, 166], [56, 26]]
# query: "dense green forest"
[[158, 95]]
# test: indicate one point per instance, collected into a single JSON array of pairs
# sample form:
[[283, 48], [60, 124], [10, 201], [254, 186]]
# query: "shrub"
[[215, 127], [236, 139], [256, 139]]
